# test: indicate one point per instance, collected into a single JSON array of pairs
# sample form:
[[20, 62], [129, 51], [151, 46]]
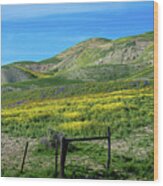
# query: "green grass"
[[90, 115], [42, 82], [11, 98], [53, 60]]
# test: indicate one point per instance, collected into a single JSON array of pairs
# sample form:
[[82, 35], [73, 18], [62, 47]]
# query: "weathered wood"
[[24, 157], [56, 157], [109, 149], [64, 147], [63, 150], [86, 139]]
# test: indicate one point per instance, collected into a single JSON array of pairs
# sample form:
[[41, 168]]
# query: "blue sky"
[[36, 32]]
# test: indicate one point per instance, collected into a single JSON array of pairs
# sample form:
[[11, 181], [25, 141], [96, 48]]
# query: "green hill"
[[96, 59]]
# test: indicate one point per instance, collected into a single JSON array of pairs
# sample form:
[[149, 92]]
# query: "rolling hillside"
[[96, 59]]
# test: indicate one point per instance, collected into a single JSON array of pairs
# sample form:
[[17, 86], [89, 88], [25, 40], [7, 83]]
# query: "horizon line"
[[127, 36]]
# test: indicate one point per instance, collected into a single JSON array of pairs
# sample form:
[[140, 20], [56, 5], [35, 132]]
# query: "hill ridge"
[[94, 56]]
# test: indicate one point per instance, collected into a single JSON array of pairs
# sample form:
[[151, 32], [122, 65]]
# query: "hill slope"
[[96, 59]]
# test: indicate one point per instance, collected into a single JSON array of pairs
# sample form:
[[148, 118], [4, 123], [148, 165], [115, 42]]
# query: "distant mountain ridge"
[[96, 59]]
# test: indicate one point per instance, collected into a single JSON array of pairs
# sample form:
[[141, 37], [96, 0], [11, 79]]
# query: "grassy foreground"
[[129, 113]]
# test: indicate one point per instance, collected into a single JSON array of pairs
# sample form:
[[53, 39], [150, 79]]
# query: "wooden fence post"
[[63, 152], [109, 149], [64, 147], [56, 157], [24, 157]]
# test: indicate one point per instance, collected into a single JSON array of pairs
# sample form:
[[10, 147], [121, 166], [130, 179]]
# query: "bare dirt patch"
[[12, 149]]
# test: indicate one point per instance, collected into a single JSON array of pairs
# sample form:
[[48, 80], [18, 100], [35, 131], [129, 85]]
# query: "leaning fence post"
[[109, 149], [63, 152], [24, 157]]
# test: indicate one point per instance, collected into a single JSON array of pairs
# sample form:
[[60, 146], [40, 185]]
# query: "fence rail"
[[86, 139], [64, 142]]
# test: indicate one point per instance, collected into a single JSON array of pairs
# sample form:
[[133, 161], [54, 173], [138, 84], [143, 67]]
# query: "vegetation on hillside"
[[125, 55], [80, 92]]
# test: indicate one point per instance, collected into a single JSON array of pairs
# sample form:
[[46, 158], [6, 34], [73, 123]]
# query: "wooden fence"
[[63, 142]]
